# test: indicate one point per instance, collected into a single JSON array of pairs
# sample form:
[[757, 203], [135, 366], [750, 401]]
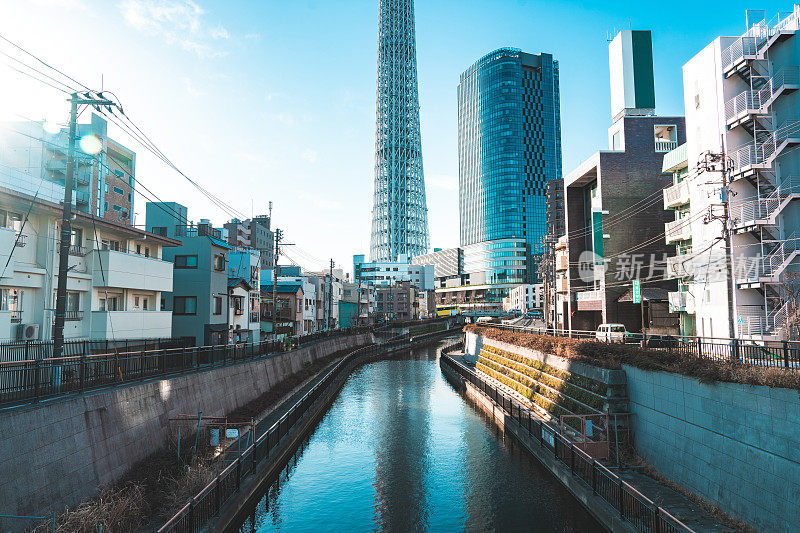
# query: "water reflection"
[[400, 450]]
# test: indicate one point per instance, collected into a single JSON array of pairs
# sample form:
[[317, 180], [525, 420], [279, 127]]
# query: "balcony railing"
[[680, 266], [741, 48], [677, 194], [666, 146], [678, 230], [16, 317], [758, 101]]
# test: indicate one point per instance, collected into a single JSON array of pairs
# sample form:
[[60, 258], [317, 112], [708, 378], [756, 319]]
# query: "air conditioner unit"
[[28, 332]]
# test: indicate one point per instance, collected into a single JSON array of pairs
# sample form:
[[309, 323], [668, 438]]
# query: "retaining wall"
[[735, 445], [59, 453]]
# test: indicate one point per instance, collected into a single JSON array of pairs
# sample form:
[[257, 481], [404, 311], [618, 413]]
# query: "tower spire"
[[399, 212]]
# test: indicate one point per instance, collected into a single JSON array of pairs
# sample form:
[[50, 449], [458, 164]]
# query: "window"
[[116, 207], [146, 251], [110, 245], [219, 262], [217, 305], [10, 300], [184, 305], [109, 303], [105, 206], [119, 191], [159, 230], [163, 304], [136, 302], [138, 249], [10, 220], [145, 302], [76, 239], [185, 261]]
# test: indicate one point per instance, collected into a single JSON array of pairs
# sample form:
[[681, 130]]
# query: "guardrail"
[[781, 354], [31, 380], [632, 505], [207, 504]]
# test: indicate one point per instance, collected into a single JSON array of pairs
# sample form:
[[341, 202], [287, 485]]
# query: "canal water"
[[401, 450]]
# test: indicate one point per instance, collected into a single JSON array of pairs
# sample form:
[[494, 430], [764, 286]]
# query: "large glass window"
[[185, 261]]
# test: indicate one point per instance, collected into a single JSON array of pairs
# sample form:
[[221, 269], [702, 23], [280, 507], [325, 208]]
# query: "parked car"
[[611, 333]]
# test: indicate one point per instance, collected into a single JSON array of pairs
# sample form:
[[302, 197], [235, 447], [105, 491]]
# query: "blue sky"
[[274, 100]]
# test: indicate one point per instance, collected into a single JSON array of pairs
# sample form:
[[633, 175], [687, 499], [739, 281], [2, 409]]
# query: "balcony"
[[680, 266], [741, 50], [254, 316], [130, 271], [681, 302], [677, 230], [131, 324], [747, 104], [677, 195], [562, 262]]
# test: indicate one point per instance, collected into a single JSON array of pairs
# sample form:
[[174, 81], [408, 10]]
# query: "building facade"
[[199, 300], [399, 211], [33, 160], [253, 233], [116, 278], [613, 210], [741, 97], [525, 298], [509, 144], [386, 272]]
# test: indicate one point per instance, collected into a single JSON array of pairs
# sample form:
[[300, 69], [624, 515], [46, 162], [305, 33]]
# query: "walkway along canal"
[[400, 449]]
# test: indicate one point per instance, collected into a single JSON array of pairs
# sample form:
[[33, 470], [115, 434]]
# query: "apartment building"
[[286, 311], [397, 302], [357, 305], [253, 233], [199, 300], [389, 272], [524, 298], [741, 97], [33, 160], [244, 295], [612, 201], [117, 275]]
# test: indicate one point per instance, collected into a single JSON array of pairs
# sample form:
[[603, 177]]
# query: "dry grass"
[[117, 509], [614, 355]]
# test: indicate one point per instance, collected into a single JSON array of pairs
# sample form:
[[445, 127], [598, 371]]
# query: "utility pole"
[[707, 165], [66, 218], [330, 296], [278, 238]]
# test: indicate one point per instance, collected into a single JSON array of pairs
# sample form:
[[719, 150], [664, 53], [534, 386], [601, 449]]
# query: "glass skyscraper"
[[509, 147]]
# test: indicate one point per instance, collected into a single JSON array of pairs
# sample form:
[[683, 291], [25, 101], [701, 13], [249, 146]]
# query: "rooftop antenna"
[[270, 209]]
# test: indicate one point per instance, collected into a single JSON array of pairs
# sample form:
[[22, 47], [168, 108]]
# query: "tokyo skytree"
[[399, 212]]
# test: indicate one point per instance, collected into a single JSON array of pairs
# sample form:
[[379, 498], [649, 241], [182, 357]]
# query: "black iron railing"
[[632, 505], [781, 354], [34, 378], [209, 501]]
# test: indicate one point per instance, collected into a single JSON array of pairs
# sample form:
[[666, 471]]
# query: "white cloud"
[[310, 155], [190, 87], [442, 181], [179, 22]]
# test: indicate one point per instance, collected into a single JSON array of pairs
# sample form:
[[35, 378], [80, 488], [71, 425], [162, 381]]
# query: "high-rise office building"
[[509, 147], [399, 213]]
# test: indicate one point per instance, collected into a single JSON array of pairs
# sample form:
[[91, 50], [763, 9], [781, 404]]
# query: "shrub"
[[612, 356]]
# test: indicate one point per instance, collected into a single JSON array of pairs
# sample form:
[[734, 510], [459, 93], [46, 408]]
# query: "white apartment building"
[[560, 316], [741, 96], [525, 298], [390, 272], [115, 278], [309, 306]]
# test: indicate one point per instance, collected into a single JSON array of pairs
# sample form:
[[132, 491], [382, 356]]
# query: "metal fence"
[[632, 505], [780, 354], [209, 501], [33, 379], [28, 350]]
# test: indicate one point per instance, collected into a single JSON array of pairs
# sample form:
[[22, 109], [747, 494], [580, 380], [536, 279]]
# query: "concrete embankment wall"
[[735, 445], [59, 453]]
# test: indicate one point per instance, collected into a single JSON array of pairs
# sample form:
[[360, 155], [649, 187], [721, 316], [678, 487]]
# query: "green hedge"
[[589, 398], [533, 387], [596, 387]]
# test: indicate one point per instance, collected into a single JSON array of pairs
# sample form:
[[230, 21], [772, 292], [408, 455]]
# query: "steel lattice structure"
[[399, 213]]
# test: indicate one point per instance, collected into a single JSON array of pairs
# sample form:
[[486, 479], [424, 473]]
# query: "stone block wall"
[[735, 445], [58, 453]]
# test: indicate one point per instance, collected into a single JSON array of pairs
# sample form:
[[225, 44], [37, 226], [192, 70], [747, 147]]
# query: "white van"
[[611, 333]]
